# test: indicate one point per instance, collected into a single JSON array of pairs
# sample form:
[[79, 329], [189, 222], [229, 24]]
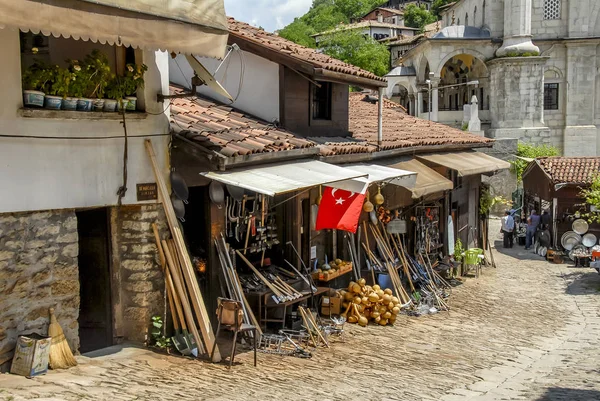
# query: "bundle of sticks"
[[233, 284], [315, 332], [180, 268]]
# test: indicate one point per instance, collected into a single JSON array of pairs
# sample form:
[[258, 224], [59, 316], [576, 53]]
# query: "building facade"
[[535, 63]]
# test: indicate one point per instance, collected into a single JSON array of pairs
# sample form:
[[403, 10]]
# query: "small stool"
[[230, 315]]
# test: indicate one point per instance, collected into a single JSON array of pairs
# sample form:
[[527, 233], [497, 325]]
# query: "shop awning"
[[467, 163], [280, 178], [377, 173], [187, 26], [428, 180]]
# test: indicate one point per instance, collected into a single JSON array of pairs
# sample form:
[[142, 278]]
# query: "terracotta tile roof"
[[365, 24], [306, 54], [575, 170], [399, 130], [228, 131]]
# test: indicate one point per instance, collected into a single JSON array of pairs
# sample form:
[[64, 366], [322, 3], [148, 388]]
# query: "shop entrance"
[[95, 317]]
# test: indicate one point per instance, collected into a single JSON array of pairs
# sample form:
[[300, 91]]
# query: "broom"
[[61, 356]]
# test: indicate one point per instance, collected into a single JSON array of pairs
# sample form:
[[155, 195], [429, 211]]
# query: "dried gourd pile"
[[364, 303]]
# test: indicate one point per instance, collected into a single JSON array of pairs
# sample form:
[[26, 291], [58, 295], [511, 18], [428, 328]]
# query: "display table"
[[266, 302]]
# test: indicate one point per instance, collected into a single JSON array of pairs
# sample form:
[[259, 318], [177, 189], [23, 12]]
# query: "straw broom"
[[61, 356]]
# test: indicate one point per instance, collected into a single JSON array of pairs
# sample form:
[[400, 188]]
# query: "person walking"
[[532, 224], [508, 226]]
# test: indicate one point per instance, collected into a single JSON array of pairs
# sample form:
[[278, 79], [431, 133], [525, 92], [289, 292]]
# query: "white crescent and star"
[[340, 200]]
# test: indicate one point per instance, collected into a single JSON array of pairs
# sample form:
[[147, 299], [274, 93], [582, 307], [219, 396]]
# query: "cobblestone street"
[[528, 330]]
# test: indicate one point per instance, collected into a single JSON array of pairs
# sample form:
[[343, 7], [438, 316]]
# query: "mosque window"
[[552, 9]]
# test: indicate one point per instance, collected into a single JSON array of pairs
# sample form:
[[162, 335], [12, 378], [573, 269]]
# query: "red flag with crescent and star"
[[339, 210]]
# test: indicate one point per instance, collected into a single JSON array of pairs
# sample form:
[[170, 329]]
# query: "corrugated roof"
[[572, 170], [294, 50], [399, 130], [227, 130]]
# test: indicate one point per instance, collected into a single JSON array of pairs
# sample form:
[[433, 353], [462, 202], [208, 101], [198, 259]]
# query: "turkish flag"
[[339, 210]]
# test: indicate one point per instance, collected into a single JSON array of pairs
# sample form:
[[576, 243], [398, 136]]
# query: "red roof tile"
[[573, 170], [399, 131], [227, 131], [306, 54]]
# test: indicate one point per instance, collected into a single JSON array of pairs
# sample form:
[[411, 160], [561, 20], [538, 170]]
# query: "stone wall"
[[38, 270], [138, 293]]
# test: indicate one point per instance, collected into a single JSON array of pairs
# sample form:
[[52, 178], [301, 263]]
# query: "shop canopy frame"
[[466, 163], [192, 26], [387, 175], [283, 178], [428, 181]]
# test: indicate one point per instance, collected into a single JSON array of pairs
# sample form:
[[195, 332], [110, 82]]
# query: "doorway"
[[95, 312]]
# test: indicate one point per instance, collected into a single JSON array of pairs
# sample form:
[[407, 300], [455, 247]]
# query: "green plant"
[[526, 54], [61, 79], [134, 78], [81, 83], [37, 77], [591, 195], [158, 339], [530, 151], [465, 126], [98, 67], [458, 250], [487, 201], [418, 16]]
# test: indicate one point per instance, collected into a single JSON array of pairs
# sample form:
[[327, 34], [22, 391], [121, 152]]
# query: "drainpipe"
[[380, 118]]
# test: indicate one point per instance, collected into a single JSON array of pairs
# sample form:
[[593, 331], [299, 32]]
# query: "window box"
[[78, 115]]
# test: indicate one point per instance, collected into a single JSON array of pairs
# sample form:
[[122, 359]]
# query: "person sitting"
[[508, 226]]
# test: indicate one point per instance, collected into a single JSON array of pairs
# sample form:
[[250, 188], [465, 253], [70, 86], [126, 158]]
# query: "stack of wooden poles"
[[181, 271]]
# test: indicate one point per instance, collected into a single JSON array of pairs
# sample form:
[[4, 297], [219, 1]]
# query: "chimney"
[[379, 16]]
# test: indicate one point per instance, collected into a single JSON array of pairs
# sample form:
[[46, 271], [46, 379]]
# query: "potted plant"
[[81, 85], [35, 83], [134, 80], [59, 87], [115, 92], [100, 75]]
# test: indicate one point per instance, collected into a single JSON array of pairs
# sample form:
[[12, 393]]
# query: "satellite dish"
[[207, 77]]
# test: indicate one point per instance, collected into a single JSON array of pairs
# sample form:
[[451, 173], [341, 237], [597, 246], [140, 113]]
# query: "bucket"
[[33, 98], [84, 104], [384, 281], [69, 103], [53, 102], [110, 105]]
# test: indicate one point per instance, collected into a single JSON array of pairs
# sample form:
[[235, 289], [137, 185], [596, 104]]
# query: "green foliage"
[[526, 54], [417, 17], [465, 126], [530, 151], [487, 201], [323, 16], [458, 250], [592, 198], [158, 340], [435, 7], [127, 85], [81, 83], [100, 74], [61, 81], [37, 77], [356, 49]]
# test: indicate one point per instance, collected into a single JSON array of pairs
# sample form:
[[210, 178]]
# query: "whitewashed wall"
[[258, 94], [40, 174]]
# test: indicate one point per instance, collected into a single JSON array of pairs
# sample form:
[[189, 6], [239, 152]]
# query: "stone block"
[[138, 265], [6, 255], [35, 244], [136, 226], [65, 287], [147, 275], [139, 286], [48, 230], [62, 271], [21, 286], [71, 250], [41, 277], [145, 299], [144, 249], [14, 245], [67, 238]]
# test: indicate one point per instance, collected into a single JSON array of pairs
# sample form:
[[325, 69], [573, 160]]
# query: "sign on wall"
[[146, 192]]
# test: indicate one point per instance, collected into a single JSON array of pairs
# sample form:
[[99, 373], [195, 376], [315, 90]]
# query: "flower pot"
[[122, 104], [84, 104], [33, 98], [98, 105], [131, 104], [69, 103], [110, 105], [53, 102]]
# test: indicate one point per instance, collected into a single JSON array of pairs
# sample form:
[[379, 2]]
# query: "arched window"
[[466, 19], [483, 14], [475, 16], [552, 9]]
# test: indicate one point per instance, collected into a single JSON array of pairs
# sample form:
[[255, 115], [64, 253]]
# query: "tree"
[[356, 8], [354, 48], [530, 151], [299, 32], [435, 7], [417, 17]]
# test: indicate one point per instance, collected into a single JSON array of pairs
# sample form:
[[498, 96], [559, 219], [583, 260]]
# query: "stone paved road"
[[528, 330]]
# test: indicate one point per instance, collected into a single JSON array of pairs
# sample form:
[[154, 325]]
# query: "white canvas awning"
[[280, 178], [187, 26], [377, 173], [428, 180], [466, 163]]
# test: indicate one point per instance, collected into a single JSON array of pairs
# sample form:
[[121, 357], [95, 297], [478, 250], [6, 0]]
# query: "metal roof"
[[280, 178]]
